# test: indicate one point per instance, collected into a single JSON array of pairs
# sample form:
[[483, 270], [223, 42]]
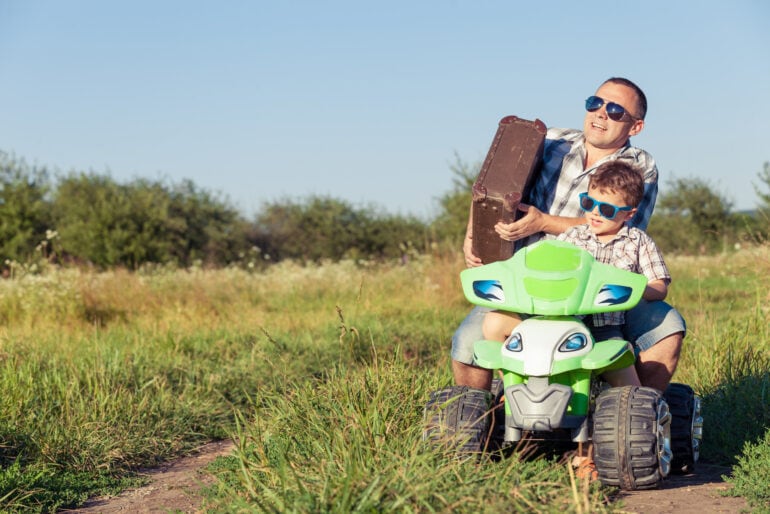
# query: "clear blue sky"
[[370, 101]]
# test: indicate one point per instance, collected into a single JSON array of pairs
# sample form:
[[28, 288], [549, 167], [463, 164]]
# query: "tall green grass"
[[726, 358], [319, 373], [351, 442]]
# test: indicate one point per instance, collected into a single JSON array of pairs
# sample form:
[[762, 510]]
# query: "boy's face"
[[600, 225]]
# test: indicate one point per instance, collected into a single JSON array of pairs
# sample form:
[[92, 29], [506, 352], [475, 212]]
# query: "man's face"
[[602, 132]]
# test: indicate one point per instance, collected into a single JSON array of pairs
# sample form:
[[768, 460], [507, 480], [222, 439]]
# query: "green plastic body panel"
[[575, 372], [605, 355], [552, 278], [579, 380]]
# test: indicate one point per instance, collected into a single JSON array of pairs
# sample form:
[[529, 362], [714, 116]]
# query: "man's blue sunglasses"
[[607, 210], [615, 112]]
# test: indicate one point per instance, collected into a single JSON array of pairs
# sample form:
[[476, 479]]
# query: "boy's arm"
[[535, 221], [653, 266], [656, 290]]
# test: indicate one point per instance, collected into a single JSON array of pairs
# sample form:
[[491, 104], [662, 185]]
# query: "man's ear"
[[636, 128]]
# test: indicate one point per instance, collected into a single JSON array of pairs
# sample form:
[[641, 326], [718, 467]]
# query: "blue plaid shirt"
[[562, 177]]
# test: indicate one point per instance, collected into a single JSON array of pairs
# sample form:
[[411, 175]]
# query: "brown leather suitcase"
[[504, 179]]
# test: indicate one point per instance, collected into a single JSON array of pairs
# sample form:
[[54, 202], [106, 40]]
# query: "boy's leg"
[[657, 332], [469, 331], [617, 377], [622, 377], [498, 325]]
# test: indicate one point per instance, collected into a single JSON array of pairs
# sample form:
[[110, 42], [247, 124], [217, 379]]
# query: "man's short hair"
[[641, 102]]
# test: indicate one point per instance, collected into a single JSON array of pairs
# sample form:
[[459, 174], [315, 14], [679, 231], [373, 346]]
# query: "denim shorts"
[[469, 331], [650, 322], [646, 324]]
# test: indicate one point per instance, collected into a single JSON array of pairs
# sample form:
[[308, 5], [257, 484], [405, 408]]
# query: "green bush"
[[107, 223], [749, 477], [203, 227], [691, 218], [455, 204], [24, 214], [110, 224], [325, 228]]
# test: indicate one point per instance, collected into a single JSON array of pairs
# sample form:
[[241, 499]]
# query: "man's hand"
[[531, 223], [470, 260]]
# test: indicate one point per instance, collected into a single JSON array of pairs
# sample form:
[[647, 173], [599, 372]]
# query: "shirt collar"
[[580, 145], [587, 234]]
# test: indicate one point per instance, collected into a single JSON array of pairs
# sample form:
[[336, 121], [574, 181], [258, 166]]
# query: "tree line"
[[86, 218]]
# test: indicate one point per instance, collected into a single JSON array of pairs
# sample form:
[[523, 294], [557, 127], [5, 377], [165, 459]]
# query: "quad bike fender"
[[604, 356], [488, 354], [609, 355]]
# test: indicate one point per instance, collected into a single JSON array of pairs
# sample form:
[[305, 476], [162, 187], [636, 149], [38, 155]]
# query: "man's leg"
[[656, 365], [469, 331], [657, 331], [469, 375]]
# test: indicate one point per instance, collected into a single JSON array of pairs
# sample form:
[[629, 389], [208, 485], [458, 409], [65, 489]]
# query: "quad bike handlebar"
[[553, 278]]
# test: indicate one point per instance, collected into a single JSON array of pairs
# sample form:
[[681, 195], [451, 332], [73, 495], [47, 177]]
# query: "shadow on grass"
[[735, 413]]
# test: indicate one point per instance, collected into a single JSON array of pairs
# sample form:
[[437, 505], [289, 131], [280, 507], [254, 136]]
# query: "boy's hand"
[[531, 223]]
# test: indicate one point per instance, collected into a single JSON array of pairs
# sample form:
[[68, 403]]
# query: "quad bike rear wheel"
[[632, 438], [686, 427], [458, 418]]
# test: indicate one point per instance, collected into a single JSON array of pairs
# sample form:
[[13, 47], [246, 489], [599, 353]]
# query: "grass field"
[[320, 374]]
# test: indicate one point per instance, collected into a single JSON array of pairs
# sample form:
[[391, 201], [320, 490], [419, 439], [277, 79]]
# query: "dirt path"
[[698, 493], [174, 488]]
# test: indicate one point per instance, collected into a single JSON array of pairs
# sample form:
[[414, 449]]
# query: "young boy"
[[614, 191]]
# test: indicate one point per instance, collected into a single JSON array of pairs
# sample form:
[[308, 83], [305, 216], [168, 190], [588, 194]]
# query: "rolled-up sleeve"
[[651, 261]]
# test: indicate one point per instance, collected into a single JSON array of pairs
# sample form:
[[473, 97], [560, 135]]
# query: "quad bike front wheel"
[[686, 427], [458, 418], [632, 437]]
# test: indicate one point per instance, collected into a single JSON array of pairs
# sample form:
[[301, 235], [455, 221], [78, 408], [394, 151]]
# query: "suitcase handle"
[[510, 120]]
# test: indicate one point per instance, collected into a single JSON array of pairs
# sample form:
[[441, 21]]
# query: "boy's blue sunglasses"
[[607, 210], [615, 111]]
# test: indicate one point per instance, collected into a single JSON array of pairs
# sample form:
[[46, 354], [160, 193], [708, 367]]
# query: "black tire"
[[498, 390], [686, 427], [631, 437], [458, 418], [497, 433]]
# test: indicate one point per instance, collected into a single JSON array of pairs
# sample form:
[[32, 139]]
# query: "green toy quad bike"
[[551, 367]]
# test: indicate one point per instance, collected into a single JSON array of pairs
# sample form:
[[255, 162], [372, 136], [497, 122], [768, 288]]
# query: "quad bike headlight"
[[514, 343], [573, 343]]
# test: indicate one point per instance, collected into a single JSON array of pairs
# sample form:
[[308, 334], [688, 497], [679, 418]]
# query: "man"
[[613, 114]]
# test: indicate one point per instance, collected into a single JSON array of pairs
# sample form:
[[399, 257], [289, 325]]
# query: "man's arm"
[[470, 259], [644, 211]]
